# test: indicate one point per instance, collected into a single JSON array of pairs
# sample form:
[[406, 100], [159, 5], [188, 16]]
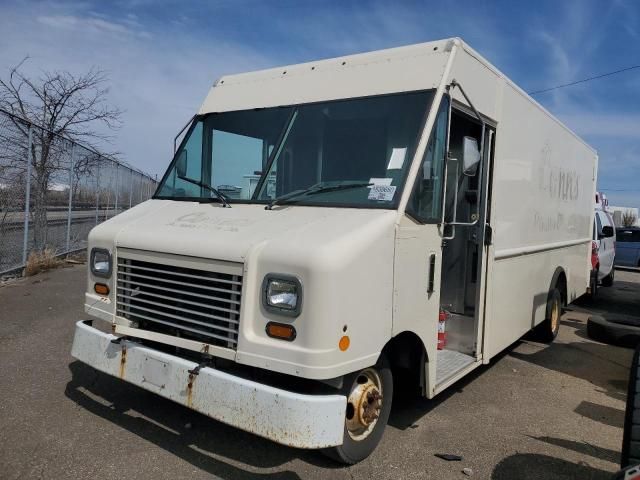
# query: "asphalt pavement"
[[536, 412]]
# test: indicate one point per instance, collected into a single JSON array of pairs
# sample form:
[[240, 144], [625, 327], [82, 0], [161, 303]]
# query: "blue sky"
[[162, 56]]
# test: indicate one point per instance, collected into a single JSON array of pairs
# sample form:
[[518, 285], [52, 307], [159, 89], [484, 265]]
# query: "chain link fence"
[[53, 191]]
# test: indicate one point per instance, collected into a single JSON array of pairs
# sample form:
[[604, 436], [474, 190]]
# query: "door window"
[[425, 203], [598, 225]]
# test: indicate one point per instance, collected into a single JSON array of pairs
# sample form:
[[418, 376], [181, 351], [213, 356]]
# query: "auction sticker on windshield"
[[382, 192]]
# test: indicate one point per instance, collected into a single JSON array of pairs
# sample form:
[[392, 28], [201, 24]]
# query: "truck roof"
[[407, 68]]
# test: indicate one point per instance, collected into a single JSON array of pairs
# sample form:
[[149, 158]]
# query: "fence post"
[[117, 188], [27, 198], [97, 190], [130, 187], [73, 154]]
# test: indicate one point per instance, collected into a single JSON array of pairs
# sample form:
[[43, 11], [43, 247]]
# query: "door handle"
[[432, 269]]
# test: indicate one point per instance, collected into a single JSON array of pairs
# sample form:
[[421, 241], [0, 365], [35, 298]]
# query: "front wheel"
[[369, 393]]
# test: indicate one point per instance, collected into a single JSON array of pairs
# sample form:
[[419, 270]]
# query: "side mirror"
[[181, 164], [470, 156], [607, 231]]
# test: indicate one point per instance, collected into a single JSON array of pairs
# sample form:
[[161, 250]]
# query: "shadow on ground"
[[583, 448], [585, 361], [620, 301], [529, 466], [409, 406], [613, 417]]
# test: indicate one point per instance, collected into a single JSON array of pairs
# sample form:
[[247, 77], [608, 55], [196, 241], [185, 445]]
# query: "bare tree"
[[629, 218], [65, 105]]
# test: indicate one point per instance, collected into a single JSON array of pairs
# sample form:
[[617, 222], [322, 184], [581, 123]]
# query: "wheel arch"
[[408, 357]]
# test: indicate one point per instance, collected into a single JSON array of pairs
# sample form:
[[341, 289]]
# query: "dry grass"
[[41, 262]]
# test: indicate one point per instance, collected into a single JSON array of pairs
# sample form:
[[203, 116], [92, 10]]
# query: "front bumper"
[[297, 420]]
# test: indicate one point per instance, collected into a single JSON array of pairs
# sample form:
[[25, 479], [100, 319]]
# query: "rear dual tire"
[[549, 328], [369, 393]]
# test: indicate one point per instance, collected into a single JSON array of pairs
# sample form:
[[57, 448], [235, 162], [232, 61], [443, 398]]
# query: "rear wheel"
[[369, 393], [548, 329], [608, 280]]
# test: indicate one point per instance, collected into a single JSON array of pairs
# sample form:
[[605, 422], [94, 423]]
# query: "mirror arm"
[[455, 204], [446, 161], [444, 189], [454, 83], [175, 139]]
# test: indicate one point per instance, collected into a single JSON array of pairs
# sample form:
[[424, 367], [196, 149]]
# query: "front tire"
[[549, 328], [369, 393]]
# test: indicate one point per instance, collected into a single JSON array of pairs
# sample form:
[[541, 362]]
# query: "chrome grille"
[[185, 302]]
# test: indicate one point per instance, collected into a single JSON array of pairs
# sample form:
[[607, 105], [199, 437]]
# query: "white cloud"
[[602, 124], [158, 79], [93, 25]]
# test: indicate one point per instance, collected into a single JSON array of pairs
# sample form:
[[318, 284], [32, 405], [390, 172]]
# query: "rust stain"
[[123, 360], [192, 379]]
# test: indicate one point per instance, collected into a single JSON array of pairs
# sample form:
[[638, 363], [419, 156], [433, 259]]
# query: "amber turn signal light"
[[281, 331], [344, 343], [101, 289]]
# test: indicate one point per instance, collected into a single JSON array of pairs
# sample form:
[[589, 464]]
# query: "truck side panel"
[[541, 214]]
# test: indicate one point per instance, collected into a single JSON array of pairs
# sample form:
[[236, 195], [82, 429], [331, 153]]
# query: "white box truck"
[[324, 226]]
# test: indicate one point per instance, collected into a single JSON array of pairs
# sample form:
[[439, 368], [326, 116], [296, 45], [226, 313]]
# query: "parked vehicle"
[[406, 209], [603, 251], [628, 247]]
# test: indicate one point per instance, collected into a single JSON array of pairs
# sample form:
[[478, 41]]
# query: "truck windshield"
[[353, 152]]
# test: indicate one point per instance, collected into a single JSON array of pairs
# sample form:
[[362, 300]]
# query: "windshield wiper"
[[314, 189], [215, 191]]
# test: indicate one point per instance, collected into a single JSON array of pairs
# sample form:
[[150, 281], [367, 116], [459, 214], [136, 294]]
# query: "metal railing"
[[54, 190]]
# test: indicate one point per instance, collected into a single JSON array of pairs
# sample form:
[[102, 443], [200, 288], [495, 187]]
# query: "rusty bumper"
[[297, 420]]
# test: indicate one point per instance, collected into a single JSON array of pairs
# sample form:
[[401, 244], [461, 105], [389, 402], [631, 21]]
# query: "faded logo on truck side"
[[200, 220], [558, 182]]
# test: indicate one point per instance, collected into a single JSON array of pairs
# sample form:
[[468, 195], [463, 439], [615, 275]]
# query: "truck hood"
[[207, 230]]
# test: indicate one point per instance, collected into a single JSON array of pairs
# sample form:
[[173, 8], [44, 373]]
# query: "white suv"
[[604, 245]]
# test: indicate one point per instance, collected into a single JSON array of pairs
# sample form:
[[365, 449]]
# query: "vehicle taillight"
[[594, 255]]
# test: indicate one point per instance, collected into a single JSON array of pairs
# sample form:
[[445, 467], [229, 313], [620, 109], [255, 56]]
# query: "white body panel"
[[329, 249], [543, 186], [415, 67], [364, 271]]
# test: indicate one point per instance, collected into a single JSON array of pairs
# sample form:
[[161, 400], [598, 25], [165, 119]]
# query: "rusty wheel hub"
[[364, 404]]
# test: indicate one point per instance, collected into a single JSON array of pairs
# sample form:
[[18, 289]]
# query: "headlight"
[[100, 262], [282, 294]]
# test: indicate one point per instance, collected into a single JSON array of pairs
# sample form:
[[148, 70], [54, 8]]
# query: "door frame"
[[486, 246], [485, 188]]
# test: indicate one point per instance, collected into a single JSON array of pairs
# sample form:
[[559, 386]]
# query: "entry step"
[[449, 363]]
